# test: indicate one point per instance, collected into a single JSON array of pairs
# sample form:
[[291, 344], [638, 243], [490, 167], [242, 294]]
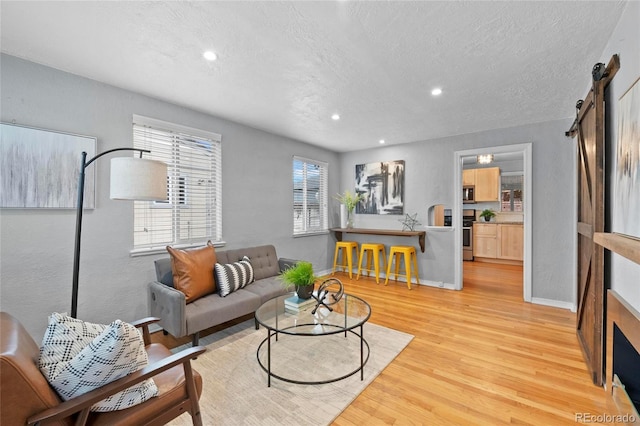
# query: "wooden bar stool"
[[347, 248], [373, 252], [409, 253]]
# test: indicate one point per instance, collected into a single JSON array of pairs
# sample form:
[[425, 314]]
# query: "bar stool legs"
[[373, 252], [346, 247], [410, 256]]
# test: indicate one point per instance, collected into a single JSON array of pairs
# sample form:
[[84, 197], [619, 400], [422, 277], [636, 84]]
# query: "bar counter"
[[389, 232]]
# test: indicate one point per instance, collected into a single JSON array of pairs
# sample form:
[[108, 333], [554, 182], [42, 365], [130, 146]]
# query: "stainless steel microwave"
[[468, 194]]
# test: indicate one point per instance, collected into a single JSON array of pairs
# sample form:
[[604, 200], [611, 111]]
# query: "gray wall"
[[36, 247], [429, 175], [622, 274]]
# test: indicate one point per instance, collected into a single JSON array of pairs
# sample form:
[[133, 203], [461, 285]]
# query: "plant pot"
[[304, 291], [487, 219]]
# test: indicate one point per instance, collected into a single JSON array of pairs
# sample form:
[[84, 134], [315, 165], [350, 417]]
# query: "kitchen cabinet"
[[511, 241], [485, 240], [469, 177], [499, 241], [487, 184]]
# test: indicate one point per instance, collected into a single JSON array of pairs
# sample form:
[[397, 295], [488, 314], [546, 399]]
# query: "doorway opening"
[[523, 203]]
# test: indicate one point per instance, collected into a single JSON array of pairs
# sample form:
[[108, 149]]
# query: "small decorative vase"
[[343, 216], [487, 219], [349, 218], [304, 291]]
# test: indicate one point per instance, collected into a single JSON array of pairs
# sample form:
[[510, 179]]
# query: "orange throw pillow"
[[193, 271]]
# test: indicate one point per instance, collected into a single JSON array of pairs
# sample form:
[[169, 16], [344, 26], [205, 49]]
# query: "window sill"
[[311, 234], [161, 250]]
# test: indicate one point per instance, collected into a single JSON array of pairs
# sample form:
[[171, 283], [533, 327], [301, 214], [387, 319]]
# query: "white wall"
[[36, 246], [621, 274], [429, 175]]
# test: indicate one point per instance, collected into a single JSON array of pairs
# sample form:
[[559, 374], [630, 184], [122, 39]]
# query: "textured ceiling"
[[285, 67]]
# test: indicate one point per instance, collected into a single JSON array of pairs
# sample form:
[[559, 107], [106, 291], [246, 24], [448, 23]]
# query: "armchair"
[[28, 399]]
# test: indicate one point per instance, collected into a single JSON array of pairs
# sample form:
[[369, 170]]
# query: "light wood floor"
[[480, 356]]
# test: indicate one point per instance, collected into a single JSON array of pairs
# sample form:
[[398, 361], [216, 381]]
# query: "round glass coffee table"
[[281, 316]]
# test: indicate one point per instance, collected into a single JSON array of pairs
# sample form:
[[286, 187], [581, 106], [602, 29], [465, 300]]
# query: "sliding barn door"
[[589, 130]]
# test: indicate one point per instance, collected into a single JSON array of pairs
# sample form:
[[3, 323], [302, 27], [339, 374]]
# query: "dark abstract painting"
[[381, 186]]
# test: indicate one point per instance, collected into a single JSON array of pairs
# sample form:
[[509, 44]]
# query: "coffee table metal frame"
[[328, 329]]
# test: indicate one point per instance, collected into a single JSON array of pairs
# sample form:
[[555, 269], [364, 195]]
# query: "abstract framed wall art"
[[627, 174], [39, 168], [381, 186]]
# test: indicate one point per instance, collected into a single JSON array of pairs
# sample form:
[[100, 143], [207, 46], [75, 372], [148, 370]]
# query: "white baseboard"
[[554, 303], [438, 284]]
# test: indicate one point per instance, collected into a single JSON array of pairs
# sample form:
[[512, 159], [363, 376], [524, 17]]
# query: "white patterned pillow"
[[233, 276], [64, 338], [114, 353]]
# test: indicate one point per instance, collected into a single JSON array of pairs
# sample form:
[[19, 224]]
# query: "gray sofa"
[[182, 319]]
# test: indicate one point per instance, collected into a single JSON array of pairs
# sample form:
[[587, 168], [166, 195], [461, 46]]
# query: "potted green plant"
[[487, 214], [301, 277], [350, 200]]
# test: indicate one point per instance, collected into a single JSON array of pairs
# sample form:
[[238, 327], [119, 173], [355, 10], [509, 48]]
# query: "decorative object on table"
[[627, 176], [301, 277], [343, 216], [350, 201], [382, 185], [329, 293], [38, 168], [131, 179], [294, 304], [487, 214], [409, 223]]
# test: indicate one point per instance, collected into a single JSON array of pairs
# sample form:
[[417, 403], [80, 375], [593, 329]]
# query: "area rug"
[[235, 388]]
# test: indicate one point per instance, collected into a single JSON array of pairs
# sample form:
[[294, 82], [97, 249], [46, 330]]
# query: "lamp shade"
[[138, 179]]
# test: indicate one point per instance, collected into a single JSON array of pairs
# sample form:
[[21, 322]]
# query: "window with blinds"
[[511, 196], [192, 213], [310, 193]]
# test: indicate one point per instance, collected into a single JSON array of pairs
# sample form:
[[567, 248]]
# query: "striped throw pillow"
[[233, 276]]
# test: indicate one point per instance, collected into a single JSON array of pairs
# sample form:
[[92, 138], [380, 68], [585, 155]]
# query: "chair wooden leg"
[[397, 261], [335, 260], [415, 268], [192, 394], [376, 265], [360, 265], [407, 267], [388, 269]]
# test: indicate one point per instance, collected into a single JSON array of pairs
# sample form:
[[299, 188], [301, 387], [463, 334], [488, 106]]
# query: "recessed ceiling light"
[[381, 140], [335, 117], [436, 92], [210, 55]]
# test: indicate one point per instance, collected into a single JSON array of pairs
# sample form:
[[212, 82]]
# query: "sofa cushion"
[[267, 288], [263, 259], [193, 271], [233, 276], [116, 352], [213, 309]]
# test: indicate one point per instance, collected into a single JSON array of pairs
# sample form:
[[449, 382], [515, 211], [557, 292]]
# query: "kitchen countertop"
[[506, 222]]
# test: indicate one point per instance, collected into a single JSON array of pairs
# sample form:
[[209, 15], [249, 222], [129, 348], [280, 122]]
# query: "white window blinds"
[[310, 204], [192, 213]]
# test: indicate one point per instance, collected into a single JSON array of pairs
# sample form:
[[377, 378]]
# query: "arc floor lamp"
[[131, 179]]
